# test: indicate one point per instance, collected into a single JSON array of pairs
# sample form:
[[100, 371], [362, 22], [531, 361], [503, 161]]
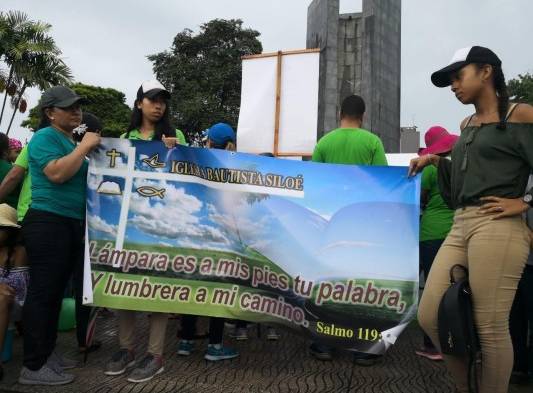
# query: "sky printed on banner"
[[346, 214]]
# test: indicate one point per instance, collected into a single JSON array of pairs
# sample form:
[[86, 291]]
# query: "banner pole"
[[278, 105]]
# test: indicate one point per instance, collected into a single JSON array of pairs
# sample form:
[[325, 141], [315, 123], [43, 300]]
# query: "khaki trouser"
[[495, 253], [158, 328]]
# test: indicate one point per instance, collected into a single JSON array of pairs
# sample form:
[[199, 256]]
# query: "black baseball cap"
[[61, 97], [150, 89], [461, 58], [89, 123]]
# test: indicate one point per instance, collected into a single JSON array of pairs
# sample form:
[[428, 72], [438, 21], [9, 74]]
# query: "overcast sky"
[[106, 42]]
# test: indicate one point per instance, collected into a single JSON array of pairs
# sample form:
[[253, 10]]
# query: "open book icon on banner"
[[110, 188]]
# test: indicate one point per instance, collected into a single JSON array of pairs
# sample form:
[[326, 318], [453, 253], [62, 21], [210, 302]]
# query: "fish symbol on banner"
[[149, 191], [153, 162]]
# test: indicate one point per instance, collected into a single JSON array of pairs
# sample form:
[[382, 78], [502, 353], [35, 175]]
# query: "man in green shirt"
[[350, 144]]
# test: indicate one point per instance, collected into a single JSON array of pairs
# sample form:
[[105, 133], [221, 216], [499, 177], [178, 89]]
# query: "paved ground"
[[283, 366]]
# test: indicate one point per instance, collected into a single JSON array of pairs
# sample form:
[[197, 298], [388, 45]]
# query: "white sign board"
[[400, 159], [298, 107]]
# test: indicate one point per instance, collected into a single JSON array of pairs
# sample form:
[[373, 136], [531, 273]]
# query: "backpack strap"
[[512, 107], [452, 272]]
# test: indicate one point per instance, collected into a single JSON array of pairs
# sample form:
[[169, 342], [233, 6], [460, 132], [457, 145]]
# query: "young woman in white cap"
[[484, 182], [149, 121], [150, 117]]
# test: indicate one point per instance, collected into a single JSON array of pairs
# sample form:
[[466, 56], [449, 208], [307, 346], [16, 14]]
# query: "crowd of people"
[[475, 207]]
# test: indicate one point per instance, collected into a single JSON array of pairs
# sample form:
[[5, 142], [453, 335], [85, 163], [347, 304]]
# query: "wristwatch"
[[528, 198]]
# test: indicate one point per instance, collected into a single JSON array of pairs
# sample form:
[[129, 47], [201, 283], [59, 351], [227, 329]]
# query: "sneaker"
[[146, 369], [120, 361], [218, 352], [185, 347], [272, 334], [60, 363], [321, 352], [428, 353], [240, 334], [365, 359], [44, 376]]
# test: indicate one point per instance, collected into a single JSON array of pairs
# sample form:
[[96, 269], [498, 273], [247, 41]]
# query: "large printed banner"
[[329, 250]]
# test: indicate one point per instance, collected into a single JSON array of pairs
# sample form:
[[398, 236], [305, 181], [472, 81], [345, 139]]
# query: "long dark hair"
[[498, 79], [4, 146], [503, 95], [162, 127]]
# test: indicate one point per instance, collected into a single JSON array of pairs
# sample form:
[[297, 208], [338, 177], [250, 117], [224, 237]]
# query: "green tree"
[[203, 73], [106, 103], [521, 88], [32, 59]]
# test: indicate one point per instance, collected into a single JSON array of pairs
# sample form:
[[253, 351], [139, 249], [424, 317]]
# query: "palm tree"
[[42, 71], [31, 55]]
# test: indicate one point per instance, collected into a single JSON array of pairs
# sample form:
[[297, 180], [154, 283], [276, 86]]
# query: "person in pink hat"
[[437, 217], [15, 146]]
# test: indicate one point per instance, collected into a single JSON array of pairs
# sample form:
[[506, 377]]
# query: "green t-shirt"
[[65, 199], [437, 217], [12, 198], [350, 146], [25, 191], [136, 135]]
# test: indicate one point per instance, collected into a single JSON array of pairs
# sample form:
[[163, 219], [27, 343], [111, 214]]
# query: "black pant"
[[55, 247], [83, 313], [428, 251], [521, 323], [240, 324], [216, 328]]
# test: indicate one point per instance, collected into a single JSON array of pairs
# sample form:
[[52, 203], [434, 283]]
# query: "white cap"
[[152, 88]]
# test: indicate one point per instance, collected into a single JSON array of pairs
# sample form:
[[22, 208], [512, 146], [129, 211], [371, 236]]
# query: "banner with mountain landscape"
[[328, 250]]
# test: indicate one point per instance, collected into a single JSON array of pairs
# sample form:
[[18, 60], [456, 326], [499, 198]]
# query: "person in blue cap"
[[219, 136]]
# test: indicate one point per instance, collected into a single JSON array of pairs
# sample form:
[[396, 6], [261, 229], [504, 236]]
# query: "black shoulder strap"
[[469, 120], [512, 107]]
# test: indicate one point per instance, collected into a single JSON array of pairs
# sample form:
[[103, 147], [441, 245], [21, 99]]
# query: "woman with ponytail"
[[484, 182], [150, 121], [150, 116]]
